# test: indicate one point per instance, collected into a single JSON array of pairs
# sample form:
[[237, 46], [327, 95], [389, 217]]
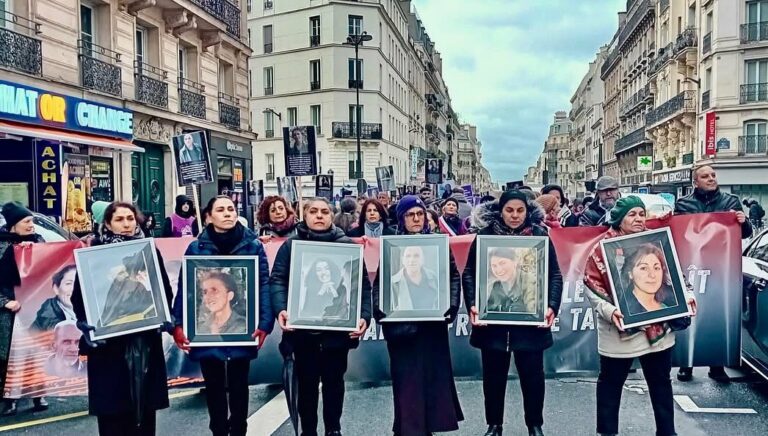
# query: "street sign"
[[645, 163]]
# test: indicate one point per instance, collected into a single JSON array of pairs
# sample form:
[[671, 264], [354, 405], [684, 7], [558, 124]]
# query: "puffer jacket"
[[278, 282], [511, 338], [249, 246], [701, 201]]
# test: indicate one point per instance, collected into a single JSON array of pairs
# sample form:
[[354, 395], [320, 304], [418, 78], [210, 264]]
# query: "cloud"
[[510, 64]]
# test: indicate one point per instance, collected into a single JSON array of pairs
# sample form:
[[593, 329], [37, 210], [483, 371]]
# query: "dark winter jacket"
[[756, 212], [248, 246], [594, 215], [278, 282], [511, 338], [701, 201]]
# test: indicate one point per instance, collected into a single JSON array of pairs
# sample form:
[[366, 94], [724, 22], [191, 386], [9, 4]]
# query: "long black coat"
[[514, 338], [108, 375], [714, 201]]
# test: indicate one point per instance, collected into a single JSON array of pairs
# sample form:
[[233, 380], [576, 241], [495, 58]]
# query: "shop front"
[[232, 163], [675, 182], [59, 154]]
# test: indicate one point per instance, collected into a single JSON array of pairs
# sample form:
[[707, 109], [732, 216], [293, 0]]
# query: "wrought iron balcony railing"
[[269, 133], [754, 32], [685, 40], [705, 100], [753, 145], [151, 85], [645, 7], [355, 84], [683, 102], [229, 111], [191, 98], [663, 5], [347, 130], [664, 55], [314, 40], [269, 90], [635, 100], [630, 140], [18, 51], [706, 43], [268, 48], [314, 86], [98, 70], [754, 92], [228, 13]]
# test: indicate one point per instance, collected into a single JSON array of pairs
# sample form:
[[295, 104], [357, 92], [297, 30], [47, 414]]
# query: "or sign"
[[193, 159], [679, 176], [36, 106], [300, 151], [48, 174], [723, 144], [645, 163], [710, 130]]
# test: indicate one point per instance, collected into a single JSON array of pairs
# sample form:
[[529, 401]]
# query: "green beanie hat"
[[622, 208], [97, 209]]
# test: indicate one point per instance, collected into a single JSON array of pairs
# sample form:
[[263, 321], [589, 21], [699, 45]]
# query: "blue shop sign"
[[35, 106]]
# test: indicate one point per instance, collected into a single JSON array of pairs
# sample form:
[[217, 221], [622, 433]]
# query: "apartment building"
[[558, 151], [611, 75]]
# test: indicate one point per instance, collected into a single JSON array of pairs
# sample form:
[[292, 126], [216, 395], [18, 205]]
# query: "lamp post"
[[356, 40]]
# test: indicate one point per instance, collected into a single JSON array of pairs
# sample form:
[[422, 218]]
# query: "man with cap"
[[607, 194]]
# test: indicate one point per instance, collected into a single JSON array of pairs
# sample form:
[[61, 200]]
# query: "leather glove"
[[166, 327], [450, 315], [378, 315], [87, 329]]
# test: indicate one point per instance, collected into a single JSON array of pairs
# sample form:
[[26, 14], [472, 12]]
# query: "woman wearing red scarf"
[[618, 348]]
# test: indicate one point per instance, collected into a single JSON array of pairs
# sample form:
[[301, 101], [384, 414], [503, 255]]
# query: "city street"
[[703, 408]]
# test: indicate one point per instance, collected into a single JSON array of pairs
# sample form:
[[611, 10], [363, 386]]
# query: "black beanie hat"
[[13, 213], [513, 194]]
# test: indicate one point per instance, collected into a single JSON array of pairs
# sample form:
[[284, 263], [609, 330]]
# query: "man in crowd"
[[465, 209], [756, 212], [607, 194], [706, 198]]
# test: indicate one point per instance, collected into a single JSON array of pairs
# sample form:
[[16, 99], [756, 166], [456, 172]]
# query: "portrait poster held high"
[[433, 169], [385, 176], [288, 189], [300, 151], [324, 186], [192, 158]]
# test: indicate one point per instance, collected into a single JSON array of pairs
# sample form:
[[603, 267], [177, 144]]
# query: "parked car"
[[48, 229], [754, 317]]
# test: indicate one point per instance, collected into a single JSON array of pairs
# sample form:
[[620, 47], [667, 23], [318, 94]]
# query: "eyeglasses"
[[413, 215]]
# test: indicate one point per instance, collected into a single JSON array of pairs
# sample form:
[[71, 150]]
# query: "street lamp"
[[356, 40]]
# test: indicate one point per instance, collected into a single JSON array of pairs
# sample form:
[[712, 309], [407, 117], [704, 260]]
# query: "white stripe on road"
[[269, 417], [686, 403]]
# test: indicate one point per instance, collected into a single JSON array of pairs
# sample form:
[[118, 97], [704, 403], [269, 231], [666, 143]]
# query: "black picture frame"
[[433, 171], [192, 158], [300, 151], [324, 186], [385, 178]]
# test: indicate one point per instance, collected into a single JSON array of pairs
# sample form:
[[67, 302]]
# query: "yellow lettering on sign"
[[49, 202], [48, 151], [49, 191], [53, 108], [48, 164], [49, 177]]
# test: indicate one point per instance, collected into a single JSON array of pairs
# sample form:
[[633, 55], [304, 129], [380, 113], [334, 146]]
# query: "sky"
[[510, 64]]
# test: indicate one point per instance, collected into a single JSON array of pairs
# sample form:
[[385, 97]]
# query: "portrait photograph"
[[434, 171], [646, 279], [511, 285], [221, 300], [325, 287], [122, 289], [286, 188], [192, 158], [324, 186], [385, 178], [414, 278], [299, 149]]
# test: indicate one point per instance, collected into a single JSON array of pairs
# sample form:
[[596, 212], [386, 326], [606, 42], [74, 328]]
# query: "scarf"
[[450, 224], [374, 230], [283, 228], [227, 241], [500, 228], [109, 237]]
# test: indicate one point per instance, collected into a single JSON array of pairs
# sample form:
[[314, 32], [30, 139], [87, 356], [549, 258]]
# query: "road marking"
[[53, 419], [269, 417], [686, 403]]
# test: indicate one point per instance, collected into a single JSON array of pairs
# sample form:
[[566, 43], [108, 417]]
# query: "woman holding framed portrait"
[[644, 274], [420, 359], [320, 356], [512, 289], [225, 368], [127, 380]]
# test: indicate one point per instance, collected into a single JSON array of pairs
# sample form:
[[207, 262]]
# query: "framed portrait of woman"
[[221, 296], [122, 289], [512, 286], [414, 278], [325, 287], [647, 282]]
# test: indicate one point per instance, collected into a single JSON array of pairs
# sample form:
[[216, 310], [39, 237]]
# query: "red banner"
[[710, 123]]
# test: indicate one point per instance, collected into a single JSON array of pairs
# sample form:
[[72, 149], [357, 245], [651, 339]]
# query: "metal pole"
[[359, 165]]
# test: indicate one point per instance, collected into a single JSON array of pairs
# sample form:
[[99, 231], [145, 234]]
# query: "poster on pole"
[[255, 192], [385, 176], [324, 186], [77, 212], [300, 151], [434, 171], [192, 158], [286, 188]]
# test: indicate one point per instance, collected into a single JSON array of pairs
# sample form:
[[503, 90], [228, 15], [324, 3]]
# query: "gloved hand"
[[378, 315], [87, 329], [166, 327], [450, 315]]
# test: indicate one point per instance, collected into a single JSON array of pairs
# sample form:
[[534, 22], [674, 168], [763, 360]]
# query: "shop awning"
[[67, 136]]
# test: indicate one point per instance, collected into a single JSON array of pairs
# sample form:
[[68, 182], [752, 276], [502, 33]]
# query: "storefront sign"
[[679, 176], [233, 146], [709, 134], [36, 106], [48, 174]]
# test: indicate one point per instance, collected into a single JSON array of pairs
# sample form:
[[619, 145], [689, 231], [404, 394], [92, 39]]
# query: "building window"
[[267, 30], [355, 24], [353, 115], [269, 125], [87, 28], [315, 115], [754, 140], [268, 4], [141, 45], [182, 63], [293, 115], [269, 79], [352, 162], [756, 88], [270, 167], [226, 78], [355, 74], [314, 31], [314, 75]]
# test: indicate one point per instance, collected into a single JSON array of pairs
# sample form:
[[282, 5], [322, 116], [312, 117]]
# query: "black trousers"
[[125, 425], [226, 392], [610, 382], [530, 367], [313, 365]]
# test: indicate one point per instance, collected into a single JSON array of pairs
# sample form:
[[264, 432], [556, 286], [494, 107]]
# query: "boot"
[[40, 405], [717, 373], [493, 430], [685, 374], [535, 431], [9, 409]]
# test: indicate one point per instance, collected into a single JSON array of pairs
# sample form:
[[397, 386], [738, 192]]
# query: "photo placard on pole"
[[192, 158], [300, 151]]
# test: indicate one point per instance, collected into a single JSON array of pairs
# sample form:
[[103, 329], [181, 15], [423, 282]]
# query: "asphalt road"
[[569, 409]]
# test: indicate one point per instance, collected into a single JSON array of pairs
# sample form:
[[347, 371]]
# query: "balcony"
[[97, 69], [314, 40], [268, 48], [20, 52], [645, 8], [229, 111], [683, 102], [706, 44], [314, 86], [665, 54], [663, 5], [610, 61], [684, 41], [705, 100], [753, 93], [638, 98], [228, 13], [191, 98], [688, 159], [270, 177], [151, 85], [345, 130], [269, 90], [754, 32], [630, 140], [355, 84], [753, 145]]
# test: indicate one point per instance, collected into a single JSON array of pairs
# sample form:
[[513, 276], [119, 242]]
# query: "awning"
[[67, 136]]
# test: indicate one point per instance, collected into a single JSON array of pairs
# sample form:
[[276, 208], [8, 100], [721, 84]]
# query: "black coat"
[[359, 231], [514, 338], [278, 286], [108, 374], [714, 201], [592, 215]]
